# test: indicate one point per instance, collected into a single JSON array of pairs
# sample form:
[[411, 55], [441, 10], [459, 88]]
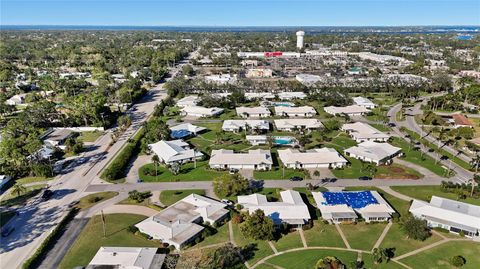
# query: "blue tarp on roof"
[[180, 134], [357, 199]]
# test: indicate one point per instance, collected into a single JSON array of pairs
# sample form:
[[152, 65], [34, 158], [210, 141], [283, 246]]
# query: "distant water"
[[465, 37], [465, 30]]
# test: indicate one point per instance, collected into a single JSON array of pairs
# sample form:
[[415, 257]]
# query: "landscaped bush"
[[139, 196], [457, 261]]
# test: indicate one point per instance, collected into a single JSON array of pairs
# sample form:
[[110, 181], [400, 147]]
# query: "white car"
[[227, 202]]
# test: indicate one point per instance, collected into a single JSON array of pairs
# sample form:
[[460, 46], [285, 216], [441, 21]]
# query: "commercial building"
[[257, 126], [300, 111], [175, 151], [253, 160], [291, 210], [253, 112], [126, 257], [448, 214], [362, 132], [353, 110], [300, 35], [179, 223], [315, 158], [201, 112], [338, 207], [373, 152], [290, 125]]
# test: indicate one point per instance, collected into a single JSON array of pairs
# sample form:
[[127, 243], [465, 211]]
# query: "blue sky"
[[241, 12]]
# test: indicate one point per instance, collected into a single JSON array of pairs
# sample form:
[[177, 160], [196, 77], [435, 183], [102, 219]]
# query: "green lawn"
[[308, 194], [95, 198], [170, 197], [439, 257], [397, 171], [187, 173], [278, 173], [262, 249], [362, 235], [90, 136], [289, 241], [6, 216], [397, 239], [221, 236], [381, 127], [323, 235], [10, 200], [416, 157], [26, 180], [91, 238], [426, 192]]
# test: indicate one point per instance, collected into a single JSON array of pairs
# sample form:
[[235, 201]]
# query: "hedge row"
[[117, 168], [49, 242]]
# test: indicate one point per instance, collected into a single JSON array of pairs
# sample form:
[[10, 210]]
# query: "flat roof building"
[[297, 124], [253, 112], [300, 111], [353, 110], [242, 125], [126, 257]]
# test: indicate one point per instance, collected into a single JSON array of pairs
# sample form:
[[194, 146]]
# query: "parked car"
[[328, 180], [295, 178], [444, 158], [391, 124], [227, 202], [365, 178], [233, 171]]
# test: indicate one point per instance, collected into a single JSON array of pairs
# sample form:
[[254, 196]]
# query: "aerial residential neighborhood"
[[210, 142]]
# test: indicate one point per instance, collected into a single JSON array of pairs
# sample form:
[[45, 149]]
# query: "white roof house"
[[300, 111], [307, 79], [126, 258], [292, 209], [449, 214], [189, 100], [297, 124], [200, 111], [369, 151], [353, 110], [291, 95], [362, 132], [337, 207], [362, 101], [240, 125], [315, 158], [257, 159], [221, 79], [257, 139], [56, 137], [17, 99], [175, 151], [259, 95], [253, 112], [177, 224], [194, 129]]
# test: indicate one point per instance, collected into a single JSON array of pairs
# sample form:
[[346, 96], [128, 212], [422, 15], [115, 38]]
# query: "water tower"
[[300, 35]]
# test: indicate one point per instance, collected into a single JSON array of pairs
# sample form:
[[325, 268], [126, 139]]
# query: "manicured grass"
[[6, 216], [381, 127], [262, 249], [396, 171], [221, 236], [187, 173], [289, 241], [10, 200], [91, 238], [278, 173], [90, 136], [362, 235], [439, 257], [397, 239], [308, 194], [401, 206], [416, 157], [95, 198], [170, 197], [145, 202], [323, 235], [26, 180], [426, 192], [265, 266]]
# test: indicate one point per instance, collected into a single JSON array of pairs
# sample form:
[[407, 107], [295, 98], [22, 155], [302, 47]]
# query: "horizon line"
[[231, 26]]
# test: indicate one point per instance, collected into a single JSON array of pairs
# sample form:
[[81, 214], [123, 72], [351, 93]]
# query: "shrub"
[[139, 196], [457, 261], [94, 199], [236, 219], [132, 229]]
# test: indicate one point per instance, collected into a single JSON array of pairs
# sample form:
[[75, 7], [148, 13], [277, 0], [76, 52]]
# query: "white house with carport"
[[362, 132], [365, 102], [314, 158], [243, 125], [253, 112], [353, 110], [374, 152], [175, 151], [300, 111], [451, 215], [179, 223], [201, 112], [257, 159], [290, 125], [291, 210]]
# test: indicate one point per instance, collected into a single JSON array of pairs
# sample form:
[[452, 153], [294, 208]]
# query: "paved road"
[[38, 217]]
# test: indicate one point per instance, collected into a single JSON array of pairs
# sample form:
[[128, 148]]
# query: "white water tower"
[[300, 35]]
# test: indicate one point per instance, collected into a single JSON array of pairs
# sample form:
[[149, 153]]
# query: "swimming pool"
[[284, 140], [284, 104]]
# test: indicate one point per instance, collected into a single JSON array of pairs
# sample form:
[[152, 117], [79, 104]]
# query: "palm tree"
[[156, 161], [18, 189], [475, 163]]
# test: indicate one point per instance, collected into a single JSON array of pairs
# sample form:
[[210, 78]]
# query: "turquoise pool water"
[[284, 104], [284, 140]]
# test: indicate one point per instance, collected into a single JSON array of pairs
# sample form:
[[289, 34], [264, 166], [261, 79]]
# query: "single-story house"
[[259, 95], [315, 158], [241, 125], [374, 152], [200, 111], [297, 124], [253, 112], [44, 153], [291, 210], [353, 110], [185, 130], [189, 100], [362, 132], [365, 102], [255, 159], [179, 223], [448, 214], [459, 120], [257, 139], [126, 257], [300, 111], [56, 137], [175, 151], [337, 207], [291, 95]]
